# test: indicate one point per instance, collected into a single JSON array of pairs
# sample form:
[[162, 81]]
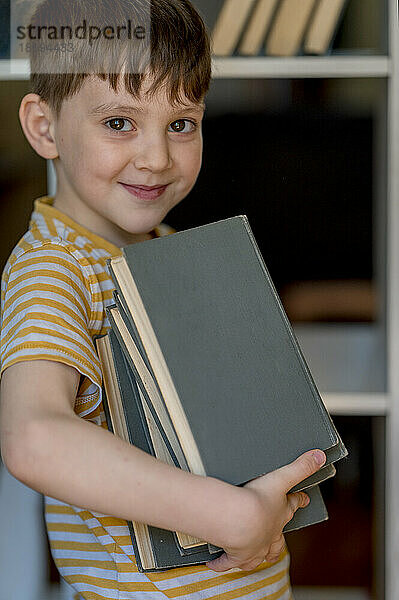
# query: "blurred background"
[[301, 147]]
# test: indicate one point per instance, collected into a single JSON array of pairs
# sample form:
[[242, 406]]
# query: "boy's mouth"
[[145, 192]]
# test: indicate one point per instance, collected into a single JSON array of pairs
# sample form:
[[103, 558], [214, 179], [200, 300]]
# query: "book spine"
[[104, 395], [229, 25], [106, 411], [289, 27], [258, 27], [313, 45]]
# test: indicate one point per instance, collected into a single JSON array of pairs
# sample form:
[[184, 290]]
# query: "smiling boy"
[[126, 149], [124, 163]]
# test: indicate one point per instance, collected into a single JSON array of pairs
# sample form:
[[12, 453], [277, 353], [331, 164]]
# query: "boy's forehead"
[[97, 96]]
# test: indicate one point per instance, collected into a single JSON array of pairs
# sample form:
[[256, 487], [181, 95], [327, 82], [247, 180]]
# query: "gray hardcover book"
[[237, 388]]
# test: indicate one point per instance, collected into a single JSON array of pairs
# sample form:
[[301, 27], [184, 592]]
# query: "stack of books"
[[280, 27], [202, 370]]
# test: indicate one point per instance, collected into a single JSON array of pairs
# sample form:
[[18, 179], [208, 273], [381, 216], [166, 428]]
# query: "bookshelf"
[[381, 65], [14, 70]]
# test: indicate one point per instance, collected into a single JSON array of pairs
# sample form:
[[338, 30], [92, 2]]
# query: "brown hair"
[[179, 55]]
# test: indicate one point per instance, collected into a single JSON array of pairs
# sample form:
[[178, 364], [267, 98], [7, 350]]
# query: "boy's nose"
[[153, 155]]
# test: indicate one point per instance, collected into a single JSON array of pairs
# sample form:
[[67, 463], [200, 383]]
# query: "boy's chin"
[[141, 230], [144, 223]]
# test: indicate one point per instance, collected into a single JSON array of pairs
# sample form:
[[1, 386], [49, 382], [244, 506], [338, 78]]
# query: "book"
[[286, 35], [229, 25], [156, 549], [323, 25], [138, 363], [224, 360], [192, 259], [258, 26]]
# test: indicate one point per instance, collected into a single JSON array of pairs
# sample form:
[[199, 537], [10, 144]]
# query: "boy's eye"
[[182, 126], [119, 124]]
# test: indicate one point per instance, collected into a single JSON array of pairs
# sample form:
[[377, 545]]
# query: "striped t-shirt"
[[55, 288]]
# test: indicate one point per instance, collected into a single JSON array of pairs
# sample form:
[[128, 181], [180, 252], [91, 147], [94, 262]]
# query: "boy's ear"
[[37, 122]]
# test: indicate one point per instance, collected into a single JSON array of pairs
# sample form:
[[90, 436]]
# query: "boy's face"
[[124, 163]]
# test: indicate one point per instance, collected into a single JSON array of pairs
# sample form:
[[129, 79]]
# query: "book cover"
[[236, 386]]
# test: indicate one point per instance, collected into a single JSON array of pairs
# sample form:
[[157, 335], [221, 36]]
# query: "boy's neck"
[[85, 217]]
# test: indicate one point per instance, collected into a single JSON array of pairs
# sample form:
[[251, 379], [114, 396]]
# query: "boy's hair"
[[178, 50]]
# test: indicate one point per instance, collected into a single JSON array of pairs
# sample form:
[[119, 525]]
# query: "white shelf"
[[14, 69], [301, 67], [374, 405]]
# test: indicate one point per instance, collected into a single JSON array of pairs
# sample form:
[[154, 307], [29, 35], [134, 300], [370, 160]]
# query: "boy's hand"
[[260, 533]]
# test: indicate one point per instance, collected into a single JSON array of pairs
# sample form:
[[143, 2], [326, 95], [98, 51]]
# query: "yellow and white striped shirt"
[[55, 288]]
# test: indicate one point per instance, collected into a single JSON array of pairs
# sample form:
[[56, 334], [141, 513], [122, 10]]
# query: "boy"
[[126, 149]]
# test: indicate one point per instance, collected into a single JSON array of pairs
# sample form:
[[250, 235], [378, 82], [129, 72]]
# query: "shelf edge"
[[357, 404], [264, 67], [302, 67]]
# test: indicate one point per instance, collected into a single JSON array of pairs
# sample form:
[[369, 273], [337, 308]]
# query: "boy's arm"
[[49, 448]]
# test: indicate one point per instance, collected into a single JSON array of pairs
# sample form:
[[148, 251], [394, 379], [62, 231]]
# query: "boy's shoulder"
[[52, 235], [51, 231], [53, 249], [53, 294], [34, 246]]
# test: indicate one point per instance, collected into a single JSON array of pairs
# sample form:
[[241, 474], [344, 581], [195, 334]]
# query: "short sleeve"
[[46, 311]]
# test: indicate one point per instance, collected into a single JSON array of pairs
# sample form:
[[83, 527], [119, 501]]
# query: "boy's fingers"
[[276, 550], [295, 501], [301, 468], [222, 563], [225, 563]]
